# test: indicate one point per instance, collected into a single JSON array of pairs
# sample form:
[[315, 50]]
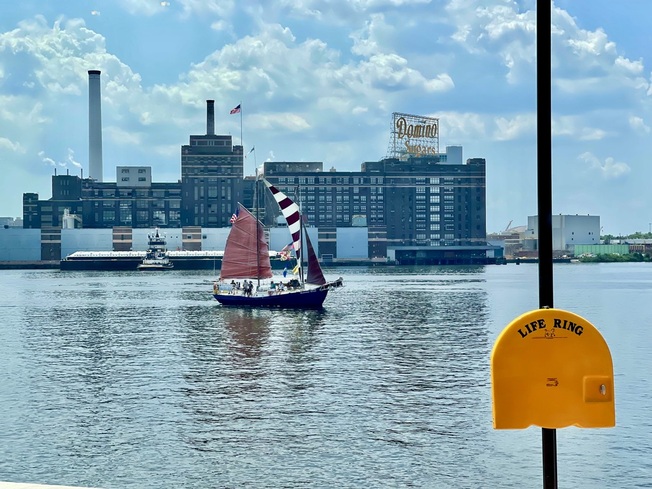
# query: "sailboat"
[[247, 258]]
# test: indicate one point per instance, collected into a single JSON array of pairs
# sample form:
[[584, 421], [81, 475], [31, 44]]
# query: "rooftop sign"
[[414, 135]]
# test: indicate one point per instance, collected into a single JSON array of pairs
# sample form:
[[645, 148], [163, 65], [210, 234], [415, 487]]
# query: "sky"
[[318, 80]]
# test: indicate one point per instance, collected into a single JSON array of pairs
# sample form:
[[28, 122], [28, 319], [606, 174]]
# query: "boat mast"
[[256, 204], [302, 248]]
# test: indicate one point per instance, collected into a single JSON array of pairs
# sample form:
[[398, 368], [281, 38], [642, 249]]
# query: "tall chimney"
[[210, 117], [95, 169]]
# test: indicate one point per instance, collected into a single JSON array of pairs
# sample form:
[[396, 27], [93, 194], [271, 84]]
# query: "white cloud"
[[577, 128], [460, 127], [608, 170], [11, 146], [515, 127], [638, 124], [502, 31]]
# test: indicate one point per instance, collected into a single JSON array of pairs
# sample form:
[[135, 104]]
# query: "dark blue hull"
[[296, 299], [301, 299]]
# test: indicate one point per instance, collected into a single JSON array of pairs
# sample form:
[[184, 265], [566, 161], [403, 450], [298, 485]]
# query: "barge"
[[129, 260]]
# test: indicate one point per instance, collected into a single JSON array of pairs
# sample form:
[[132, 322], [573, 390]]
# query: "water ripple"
[[136, 380]]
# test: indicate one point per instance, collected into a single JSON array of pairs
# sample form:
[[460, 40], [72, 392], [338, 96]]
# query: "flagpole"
[[241, 141]]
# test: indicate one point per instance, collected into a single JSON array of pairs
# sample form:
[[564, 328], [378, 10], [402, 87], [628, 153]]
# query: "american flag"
[[286, 252], [234, 217], [235, 109]]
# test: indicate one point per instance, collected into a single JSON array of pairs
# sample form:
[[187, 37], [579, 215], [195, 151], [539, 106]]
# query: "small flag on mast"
[[235, 109], [251, 150], [286, 252], [234, 216]]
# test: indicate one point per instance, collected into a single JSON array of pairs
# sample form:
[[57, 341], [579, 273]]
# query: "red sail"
[[315, 274], [246, 254]]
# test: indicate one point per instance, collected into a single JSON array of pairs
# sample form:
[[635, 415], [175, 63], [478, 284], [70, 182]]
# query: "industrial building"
[[417, 205], [567, 231]]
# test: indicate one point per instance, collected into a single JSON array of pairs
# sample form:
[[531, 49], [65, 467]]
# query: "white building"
[[567, 230]]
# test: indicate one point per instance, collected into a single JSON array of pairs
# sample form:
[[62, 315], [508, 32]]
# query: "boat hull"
[[100, 264], [296, 299], [151, 267]]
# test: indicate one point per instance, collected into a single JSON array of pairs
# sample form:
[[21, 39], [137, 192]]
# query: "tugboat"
[[157, 255]]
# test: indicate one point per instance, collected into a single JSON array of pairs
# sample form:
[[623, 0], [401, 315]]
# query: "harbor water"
[[137, 380]]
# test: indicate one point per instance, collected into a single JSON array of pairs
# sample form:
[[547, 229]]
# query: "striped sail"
[[291, 214]]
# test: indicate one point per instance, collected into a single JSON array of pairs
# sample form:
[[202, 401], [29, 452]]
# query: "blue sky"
[[319, 80]]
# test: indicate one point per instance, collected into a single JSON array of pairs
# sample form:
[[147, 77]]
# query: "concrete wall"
[[214, 239], [85, 240], [18, 244], [352, 243]]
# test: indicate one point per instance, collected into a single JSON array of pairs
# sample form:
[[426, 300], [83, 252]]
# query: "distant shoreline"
[[632, 258]]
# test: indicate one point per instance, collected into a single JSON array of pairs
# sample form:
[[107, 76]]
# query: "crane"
[[508, 225]]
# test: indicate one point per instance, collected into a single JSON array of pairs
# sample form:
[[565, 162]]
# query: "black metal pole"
[[544, 197]]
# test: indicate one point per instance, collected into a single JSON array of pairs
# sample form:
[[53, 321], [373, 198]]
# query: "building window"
[[125, 216]]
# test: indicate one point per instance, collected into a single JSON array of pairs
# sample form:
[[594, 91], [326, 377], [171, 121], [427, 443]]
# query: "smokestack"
[[210, 117], [95, 169]]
